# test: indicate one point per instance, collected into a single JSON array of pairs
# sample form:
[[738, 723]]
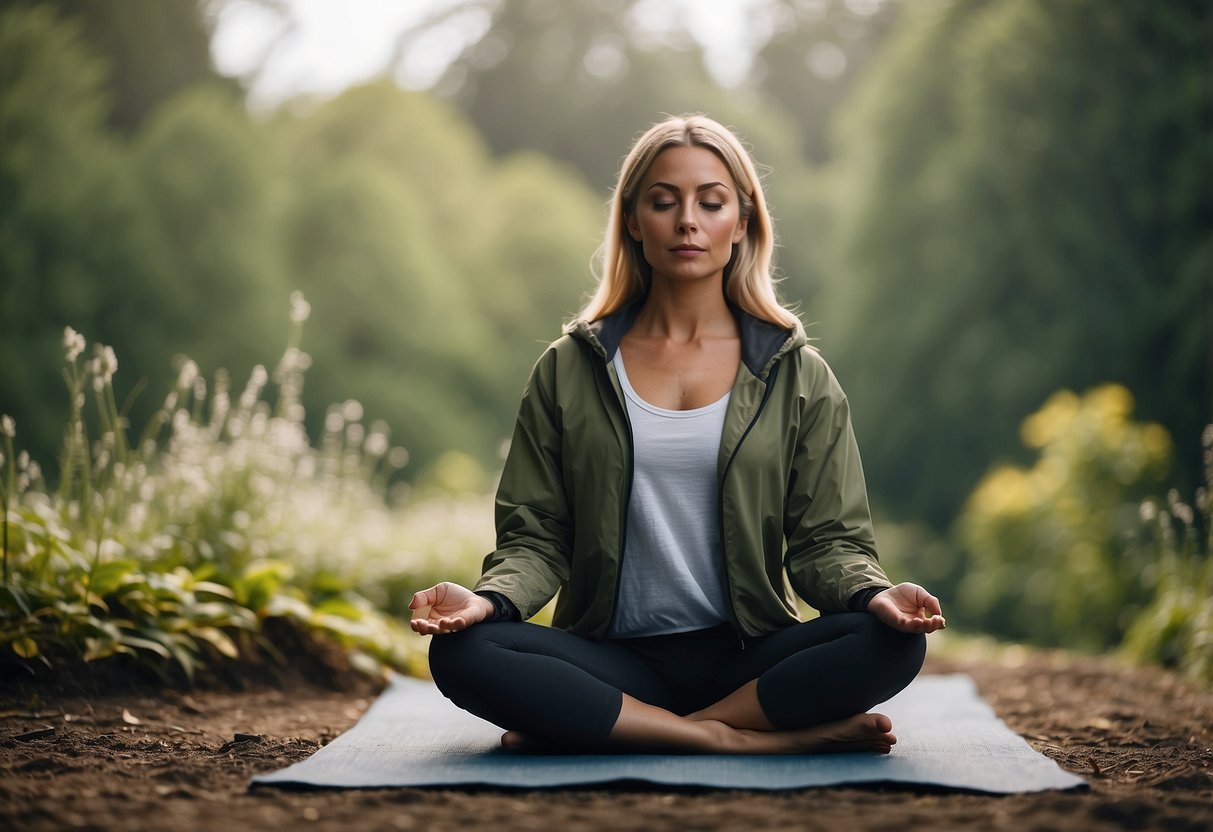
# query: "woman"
[[681, 460]]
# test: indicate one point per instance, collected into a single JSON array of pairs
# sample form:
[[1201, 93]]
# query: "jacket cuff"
[[503, 608], [859, 601]]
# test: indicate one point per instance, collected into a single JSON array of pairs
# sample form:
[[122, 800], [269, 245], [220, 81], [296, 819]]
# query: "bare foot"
[[862, 732], [516, 741], [527, 744]]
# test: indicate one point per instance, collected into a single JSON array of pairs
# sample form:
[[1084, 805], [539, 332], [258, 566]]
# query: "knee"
[[452, 658], [902, 653]]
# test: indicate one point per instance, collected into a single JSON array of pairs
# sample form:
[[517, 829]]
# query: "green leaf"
[[219, 640], [25, 647], [214, 589], [108, 576], [287, 606], [342, 607], [14, 596], [140, 643]]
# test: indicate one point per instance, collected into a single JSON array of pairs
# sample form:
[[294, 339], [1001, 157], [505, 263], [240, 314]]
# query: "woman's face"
[[687, 215]]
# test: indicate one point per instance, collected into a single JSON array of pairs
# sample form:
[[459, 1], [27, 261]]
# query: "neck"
[[685, 311]]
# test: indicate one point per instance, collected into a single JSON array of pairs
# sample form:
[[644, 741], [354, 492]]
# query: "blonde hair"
[[624, 271]]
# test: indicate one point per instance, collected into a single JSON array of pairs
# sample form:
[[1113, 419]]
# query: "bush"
[[220, 516], [1055, 554], [1176, 628]]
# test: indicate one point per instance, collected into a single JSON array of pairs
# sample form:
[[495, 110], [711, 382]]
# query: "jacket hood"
[[762, 342]]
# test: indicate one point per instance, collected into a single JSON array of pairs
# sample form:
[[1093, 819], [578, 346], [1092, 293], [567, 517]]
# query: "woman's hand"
[[447, 608], [909, 608]]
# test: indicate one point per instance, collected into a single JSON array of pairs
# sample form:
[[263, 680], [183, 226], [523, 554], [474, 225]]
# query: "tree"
[[816, 54], [216, 192], [154, 48], [76, 234], [435, 273], [1022, 205]]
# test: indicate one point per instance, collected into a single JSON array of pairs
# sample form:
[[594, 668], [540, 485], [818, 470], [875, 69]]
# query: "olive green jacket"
[[792, 499]]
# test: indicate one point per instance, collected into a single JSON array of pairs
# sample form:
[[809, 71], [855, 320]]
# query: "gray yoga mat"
[[412, 736]]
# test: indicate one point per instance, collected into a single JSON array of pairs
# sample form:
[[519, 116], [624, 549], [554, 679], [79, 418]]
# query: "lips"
[[687, 248]]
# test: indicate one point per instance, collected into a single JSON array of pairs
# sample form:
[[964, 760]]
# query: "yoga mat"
[[412, 736]]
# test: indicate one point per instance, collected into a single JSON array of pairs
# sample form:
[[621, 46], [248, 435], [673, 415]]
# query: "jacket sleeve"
[[831, 546], [534, 527]]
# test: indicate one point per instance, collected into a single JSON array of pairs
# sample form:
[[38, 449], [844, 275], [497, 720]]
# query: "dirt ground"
[[174, 761]]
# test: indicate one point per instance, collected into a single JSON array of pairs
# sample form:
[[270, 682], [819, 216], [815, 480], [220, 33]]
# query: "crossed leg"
[[804, 689]]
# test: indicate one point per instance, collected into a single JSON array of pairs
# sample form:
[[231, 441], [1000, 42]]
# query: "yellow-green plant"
[[1053, 550], [219, 516], [1176, 629]]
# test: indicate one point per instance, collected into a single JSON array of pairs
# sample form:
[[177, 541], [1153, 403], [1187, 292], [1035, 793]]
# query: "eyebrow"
[[707, 186]]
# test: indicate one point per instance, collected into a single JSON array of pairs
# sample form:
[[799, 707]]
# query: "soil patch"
[[149, 760]]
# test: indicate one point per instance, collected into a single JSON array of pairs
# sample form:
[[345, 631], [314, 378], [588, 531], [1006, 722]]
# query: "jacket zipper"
[[728, 583], [627, 497]]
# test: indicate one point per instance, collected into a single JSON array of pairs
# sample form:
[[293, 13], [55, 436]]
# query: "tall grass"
[[1067, 552], [179, 543], [1176, 629]]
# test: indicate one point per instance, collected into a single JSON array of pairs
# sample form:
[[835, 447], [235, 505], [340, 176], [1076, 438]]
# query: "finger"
[[421, 627], [422, 599]]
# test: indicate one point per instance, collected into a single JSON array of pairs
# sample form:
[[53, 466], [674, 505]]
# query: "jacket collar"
[[762, 343]]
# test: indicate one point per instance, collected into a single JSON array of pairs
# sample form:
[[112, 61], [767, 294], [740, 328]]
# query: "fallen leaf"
[[38, 734], [189, 705], [130, 719]]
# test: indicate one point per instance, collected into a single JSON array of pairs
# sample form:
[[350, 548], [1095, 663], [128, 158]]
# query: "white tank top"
[[672, 577]]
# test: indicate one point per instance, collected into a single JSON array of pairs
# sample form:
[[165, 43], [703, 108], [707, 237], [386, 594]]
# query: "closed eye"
[[712, 206]]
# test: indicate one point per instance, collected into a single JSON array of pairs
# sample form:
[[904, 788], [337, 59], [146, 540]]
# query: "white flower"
[[73, 342], [109, 363], [103, 366], [300, 308], [376, 444], [7, 426], [398, 457], [189, 372]]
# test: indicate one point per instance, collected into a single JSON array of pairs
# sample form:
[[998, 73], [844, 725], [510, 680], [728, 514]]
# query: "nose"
[[686, 222]]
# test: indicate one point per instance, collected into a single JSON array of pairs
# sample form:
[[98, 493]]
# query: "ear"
[[742, 226], [633, 226]]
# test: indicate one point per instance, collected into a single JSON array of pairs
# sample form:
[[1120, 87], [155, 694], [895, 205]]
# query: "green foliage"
[[1021, 205], [1055, 555], [816, 53], [213, 186], [76, 239], [436, 272], [155, 48], [178, 546], [1176, 628]]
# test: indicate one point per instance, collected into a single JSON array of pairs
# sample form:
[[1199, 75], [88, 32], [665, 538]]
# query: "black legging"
[[563, 688]]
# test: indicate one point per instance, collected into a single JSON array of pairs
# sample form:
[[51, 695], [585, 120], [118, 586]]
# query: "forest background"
[[995, 219]]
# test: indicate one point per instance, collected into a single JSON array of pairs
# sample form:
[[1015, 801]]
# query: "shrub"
[[220, 516], [1176, 628], [1054, 550]]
